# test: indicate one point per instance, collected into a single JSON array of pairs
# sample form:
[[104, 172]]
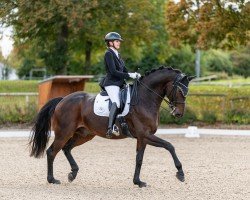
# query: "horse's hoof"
[[109, 136], [180, 176], [54, 181], [141, 184], [70, 177]]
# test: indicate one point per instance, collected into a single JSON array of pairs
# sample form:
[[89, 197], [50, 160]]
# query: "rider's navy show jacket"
[[115, 69]]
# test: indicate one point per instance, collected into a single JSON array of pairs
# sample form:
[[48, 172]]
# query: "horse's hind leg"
[[158, 142], [51, 154], [61, 137], [79, 138]]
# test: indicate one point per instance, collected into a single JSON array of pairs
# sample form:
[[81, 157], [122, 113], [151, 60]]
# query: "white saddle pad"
[[102, 102]]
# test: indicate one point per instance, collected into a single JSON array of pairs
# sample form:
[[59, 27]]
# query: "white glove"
[[138, 75], [134, 75]]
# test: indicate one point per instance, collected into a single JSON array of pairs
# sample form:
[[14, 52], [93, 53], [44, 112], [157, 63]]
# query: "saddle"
[[122, 96], [103, 104]]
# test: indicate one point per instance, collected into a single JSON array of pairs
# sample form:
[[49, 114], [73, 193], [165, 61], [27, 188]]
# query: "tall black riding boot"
[[112, 116]]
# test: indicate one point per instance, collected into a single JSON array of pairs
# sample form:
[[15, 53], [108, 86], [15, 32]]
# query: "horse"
[[74, 122]]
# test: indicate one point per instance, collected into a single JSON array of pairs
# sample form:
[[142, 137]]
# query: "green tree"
[[1, 56], [151, 55], [61, 28], [48, 23], [219, 61], [241, 61], [207, 24], [182, 59]]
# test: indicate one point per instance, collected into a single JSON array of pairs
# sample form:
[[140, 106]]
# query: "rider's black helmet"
[[111, 36]]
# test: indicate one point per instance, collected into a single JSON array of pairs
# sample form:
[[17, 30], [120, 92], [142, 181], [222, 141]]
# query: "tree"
[[130, 18], [241, 61], [62, 27], [48, 23], [154, 53], [205, 24], [182, 59], [219, 61], [1, 56], [209, 24]]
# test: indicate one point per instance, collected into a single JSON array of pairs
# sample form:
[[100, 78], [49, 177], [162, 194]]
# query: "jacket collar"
[[110, 50], [115, 51]]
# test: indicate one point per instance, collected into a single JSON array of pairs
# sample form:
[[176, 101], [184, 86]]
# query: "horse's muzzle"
[[176, 113]]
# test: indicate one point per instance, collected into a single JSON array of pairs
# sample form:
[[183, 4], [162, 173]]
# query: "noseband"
[[171, 101]]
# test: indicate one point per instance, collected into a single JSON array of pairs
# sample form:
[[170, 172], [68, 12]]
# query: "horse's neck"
[[160, 76], [156, 83]]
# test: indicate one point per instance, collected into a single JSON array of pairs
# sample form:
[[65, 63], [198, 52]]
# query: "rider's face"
[[116, 44]]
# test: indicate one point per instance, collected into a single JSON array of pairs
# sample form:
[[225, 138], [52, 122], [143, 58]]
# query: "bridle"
[[178, 85], [171, 101]]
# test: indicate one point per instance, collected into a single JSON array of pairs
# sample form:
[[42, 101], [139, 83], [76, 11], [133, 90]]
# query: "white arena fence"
[[190, 132], [25, 95]]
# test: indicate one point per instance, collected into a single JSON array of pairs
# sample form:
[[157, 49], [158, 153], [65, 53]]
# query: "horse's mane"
[[161, 68]]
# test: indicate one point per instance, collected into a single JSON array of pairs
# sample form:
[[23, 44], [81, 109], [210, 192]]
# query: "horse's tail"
[[40, 132]]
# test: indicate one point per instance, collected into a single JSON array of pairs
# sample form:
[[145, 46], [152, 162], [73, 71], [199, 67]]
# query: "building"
[[7, 73]]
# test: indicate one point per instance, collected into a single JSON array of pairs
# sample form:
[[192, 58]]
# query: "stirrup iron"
[[115, 130]]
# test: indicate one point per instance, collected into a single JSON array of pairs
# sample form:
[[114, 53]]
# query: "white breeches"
[[113, 92]]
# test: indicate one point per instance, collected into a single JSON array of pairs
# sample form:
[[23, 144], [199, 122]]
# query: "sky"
[[6, 43]]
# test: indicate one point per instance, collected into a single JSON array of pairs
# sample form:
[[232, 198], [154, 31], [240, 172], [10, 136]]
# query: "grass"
[[220, 89], [93, 87], [208, 109], [32, 86], [18, 86]]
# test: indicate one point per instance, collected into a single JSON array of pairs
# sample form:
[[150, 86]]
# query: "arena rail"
[[229, 84], [14, 94], [190, 132]]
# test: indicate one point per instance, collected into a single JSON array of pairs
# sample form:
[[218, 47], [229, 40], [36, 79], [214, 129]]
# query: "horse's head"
[[168, 82], [176, 92]]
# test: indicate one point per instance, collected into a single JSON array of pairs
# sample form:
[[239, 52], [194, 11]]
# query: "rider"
[[116, 72]]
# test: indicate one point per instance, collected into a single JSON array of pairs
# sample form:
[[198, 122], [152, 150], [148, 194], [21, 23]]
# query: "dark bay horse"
[[75, 123]]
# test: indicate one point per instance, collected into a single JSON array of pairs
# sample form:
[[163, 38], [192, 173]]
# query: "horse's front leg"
[[158, 142], [139, 158]]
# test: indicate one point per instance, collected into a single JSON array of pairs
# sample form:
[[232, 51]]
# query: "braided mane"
[[161, 68]]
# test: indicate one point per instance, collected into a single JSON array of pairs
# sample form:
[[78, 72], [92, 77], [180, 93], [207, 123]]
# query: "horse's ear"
[[191, 77]]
